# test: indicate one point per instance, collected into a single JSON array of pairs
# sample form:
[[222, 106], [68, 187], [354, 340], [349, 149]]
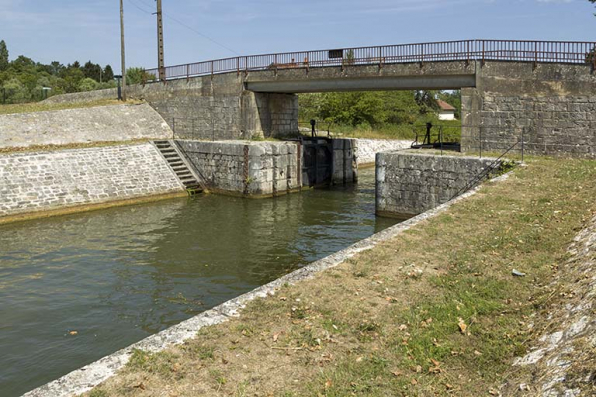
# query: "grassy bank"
[[434, 311], [451, 130], [42, 106]]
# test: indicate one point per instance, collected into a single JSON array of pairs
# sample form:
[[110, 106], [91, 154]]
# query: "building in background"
[[446, 111]]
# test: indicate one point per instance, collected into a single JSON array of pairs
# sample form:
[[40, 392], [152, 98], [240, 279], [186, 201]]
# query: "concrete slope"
[[84, 125]]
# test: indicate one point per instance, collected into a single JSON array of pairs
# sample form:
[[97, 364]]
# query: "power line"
[[138, 7], [186, 26]]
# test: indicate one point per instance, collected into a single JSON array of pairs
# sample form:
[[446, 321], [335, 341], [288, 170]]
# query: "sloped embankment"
[[114, 123]]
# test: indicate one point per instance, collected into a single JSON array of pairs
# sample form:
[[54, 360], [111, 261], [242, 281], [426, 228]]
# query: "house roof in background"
[[444, 105]]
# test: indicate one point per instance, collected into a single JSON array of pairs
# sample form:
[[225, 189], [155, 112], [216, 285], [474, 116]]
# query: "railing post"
[[483, 52], [211, 68], [173, 127], [380, 57], [187, 71], [535, 54], [237, 66]]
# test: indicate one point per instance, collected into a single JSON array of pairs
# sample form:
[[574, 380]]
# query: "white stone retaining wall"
[[31, 182], [96, 124], [368, 148]]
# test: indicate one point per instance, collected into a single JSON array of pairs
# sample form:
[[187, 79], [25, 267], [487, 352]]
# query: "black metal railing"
[[463, 50]]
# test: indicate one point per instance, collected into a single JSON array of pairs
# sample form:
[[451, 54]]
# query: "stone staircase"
[[179, 166]]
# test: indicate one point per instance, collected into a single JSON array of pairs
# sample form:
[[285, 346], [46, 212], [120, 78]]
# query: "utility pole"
[[122, 55], [160, 61]]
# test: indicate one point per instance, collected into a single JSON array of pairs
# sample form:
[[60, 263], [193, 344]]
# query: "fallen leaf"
[[462, 325], [414, 381], [73, 332], [328, 384], [275, 336], [397, 373]]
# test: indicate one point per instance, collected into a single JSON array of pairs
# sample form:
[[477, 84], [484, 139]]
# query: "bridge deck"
[[465, 50]]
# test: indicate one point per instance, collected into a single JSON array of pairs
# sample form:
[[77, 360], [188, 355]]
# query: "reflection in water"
[[118, 275]]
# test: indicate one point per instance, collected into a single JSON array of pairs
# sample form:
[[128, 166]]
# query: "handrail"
[[577, 52]]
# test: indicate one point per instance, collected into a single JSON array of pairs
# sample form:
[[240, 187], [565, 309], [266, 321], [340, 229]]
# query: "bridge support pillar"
[[269, 115]]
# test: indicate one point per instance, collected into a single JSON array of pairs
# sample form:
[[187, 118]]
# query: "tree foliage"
[[3, 56], [374, 109], [23, 79]]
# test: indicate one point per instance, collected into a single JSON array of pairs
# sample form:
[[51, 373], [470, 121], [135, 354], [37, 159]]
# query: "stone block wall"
[[252, 169], [202, 117], [552, 106], [345, 166], [41, 181], [96, 124], [410, 183]]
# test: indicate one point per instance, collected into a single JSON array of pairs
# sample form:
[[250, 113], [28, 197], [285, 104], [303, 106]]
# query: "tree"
[[3, 56], [56, 67], [138, 76], [108, 74], [88, 84], [92, 71]]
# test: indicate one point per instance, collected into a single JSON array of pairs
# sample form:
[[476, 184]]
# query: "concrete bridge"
[[543, 93]]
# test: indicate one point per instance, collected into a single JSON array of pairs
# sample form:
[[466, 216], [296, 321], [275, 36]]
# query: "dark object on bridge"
[[313, 124], [335, 54], [118, 77]]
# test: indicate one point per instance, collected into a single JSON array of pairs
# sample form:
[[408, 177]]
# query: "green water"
[[118, 275]]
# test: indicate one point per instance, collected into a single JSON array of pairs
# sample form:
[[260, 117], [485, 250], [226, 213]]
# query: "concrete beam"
[[450, 82]]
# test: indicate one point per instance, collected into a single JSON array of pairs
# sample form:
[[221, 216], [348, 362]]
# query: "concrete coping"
[[86, 378]]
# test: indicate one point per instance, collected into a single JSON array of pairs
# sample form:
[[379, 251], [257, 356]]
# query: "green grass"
[[43, 106], [451, 131]]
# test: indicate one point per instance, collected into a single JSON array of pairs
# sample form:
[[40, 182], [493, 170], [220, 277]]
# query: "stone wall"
[[211, 107], [42, 181], [252, 169], [410, 183], [96, 124], [368, 148], [552, 106], [345, 166]]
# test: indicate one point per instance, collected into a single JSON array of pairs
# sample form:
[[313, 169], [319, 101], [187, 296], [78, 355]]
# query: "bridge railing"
[[464, 50]]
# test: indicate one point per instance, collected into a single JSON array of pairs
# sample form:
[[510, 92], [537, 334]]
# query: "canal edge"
[[89, 376]]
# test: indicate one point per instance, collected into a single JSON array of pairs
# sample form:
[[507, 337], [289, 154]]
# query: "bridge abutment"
[[550, 106]]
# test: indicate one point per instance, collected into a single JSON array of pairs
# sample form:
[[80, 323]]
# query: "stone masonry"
[[252, 169], [368, 148], [31, 182], [551, 106], [96, 124], [345, 166], [410, 183]]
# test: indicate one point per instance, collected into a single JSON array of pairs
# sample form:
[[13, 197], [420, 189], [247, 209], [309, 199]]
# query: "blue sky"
[[68, 30]]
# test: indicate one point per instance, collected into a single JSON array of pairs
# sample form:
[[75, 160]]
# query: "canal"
[[76, 288]]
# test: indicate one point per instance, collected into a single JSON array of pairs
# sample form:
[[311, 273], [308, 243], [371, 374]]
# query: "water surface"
[[118, 275]]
